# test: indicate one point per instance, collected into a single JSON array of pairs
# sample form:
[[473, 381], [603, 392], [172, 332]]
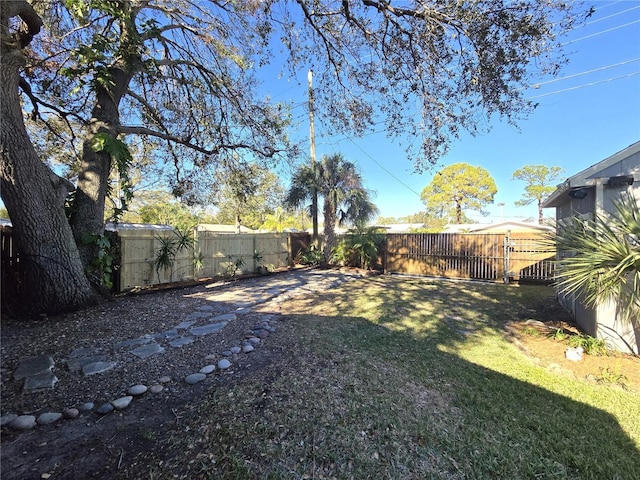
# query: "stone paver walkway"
[[242, 297]]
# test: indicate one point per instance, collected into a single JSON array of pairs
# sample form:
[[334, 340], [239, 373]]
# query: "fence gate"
[[492, 257], [528, 257]]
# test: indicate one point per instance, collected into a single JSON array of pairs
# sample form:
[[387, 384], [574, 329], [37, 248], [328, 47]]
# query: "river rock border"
[[38, 371]]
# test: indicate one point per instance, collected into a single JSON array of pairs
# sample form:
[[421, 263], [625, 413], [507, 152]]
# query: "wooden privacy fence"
[[494, 257], [216, 254], [220, 251]]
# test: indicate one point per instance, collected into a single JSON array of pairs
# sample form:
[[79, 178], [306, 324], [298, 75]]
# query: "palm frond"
[[600, 258]]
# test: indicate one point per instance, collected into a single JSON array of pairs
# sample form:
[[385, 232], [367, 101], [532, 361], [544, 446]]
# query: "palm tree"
[[601, 258], [345, 200], [276, 221]]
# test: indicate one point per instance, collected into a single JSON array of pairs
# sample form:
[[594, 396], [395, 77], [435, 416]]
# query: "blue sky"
[[589, 112]]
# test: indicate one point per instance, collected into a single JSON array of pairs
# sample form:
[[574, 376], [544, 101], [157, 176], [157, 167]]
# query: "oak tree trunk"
[[87, 214], [51, 278]]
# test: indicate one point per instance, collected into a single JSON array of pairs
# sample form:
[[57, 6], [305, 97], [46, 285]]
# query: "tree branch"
[[35, 101], [31, 21], [139, 130]]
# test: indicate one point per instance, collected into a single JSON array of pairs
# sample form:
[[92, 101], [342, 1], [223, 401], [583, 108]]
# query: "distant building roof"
[[500, 227], [221, 228], [115, 227], [401, 227]]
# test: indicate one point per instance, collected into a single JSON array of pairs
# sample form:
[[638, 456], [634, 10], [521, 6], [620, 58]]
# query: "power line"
[[609, 16], [599, 33], [383, 168], [584, 85], [586, 72]]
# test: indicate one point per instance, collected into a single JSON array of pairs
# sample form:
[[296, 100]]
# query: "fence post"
[[505, 255]]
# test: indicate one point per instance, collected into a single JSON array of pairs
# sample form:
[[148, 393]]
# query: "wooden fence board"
[[475, 256], [531, 257], [492, 257], [138, 252], [218, 251]]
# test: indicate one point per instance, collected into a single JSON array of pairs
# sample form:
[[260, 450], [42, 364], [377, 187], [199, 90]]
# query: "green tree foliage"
[[446, 60], [345, 200], [359, 247], [168, 213], [281, 219], [600, 258], [387, 220], [246, 193], [539, 186], [457, 188], [160, 208], [180, 74], [185, 75], [432, 222]]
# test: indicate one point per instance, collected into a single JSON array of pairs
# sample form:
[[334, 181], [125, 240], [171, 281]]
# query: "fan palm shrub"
[[600, 258]]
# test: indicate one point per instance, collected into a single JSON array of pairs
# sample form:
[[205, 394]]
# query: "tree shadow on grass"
[[499, 426]]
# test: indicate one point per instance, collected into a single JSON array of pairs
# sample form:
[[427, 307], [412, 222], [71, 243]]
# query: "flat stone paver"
[[207, 329], [97, 367], [168, 334], [32, 366], [186, 324], [78, 363], [147, 350], [225, 317], [181, 341], [41, 381]]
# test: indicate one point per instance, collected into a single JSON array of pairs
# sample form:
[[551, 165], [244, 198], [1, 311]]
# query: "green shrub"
[[358, 248], [169, 248], [233, 266], [611, 377], [559, 335], [101, 266], [590, 345], [312, 255], [531, 331]]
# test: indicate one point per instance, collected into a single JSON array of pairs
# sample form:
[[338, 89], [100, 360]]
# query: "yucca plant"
[[601, 257], [169, 248]]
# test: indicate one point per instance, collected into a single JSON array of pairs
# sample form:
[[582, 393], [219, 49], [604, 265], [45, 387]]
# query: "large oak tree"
[[52, 278], [183, 72]]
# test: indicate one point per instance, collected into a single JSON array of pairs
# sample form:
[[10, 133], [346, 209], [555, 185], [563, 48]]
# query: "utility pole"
[[312, 148]]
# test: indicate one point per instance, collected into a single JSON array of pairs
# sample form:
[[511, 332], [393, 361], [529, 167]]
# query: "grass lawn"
[[401, 378]]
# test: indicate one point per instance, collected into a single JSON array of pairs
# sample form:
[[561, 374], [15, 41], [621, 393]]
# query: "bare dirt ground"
[[94, 446], [615, 369]]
